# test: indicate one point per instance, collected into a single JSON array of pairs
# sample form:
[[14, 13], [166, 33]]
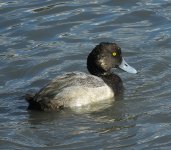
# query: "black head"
[[104, 57]]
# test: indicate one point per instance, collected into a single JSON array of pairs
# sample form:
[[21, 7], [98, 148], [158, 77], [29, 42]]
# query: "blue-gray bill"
[[124, 66]]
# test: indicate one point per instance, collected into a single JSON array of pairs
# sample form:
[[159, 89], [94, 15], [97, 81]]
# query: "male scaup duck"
[[79, 89]]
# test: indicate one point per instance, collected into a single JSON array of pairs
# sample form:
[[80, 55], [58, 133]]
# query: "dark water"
[[42, 39]]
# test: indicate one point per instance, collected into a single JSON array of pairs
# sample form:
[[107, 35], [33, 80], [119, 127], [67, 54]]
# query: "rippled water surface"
[[42, 39]]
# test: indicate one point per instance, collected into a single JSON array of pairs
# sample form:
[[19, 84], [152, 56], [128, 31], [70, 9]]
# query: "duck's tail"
[[33, 105]]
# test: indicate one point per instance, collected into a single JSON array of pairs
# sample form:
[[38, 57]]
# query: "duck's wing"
[[72, 89]]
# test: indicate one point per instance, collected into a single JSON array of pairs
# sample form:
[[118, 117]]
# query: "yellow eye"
[[114, 54]]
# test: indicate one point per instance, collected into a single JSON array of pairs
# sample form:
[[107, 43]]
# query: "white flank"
[[80, 96]]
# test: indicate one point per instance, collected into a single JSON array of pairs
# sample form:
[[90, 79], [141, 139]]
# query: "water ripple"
[[42, 39]]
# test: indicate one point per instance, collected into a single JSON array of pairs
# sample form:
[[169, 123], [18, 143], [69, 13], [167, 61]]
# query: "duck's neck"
[[113, 81]]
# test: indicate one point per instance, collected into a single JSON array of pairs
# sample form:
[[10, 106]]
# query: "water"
[[42, 39]]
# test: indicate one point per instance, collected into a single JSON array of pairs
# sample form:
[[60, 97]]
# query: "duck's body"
[[73, 90], [79, 89]]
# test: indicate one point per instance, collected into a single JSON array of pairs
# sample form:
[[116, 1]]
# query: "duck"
[[79, 89]]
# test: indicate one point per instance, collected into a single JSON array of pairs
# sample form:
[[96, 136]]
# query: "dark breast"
[[114, 82]]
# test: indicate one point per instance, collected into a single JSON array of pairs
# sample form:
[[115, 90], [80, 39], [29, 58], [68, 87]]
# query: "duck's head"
[[106, 56]]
